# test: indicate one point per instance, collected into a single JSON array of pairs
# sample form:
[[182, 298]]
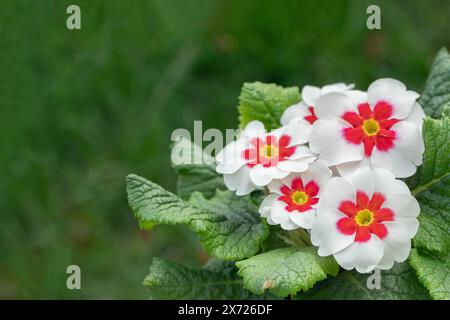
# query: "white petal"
[[317, 172], [299, 110], [239, 182], [403, 205], [363, 180], [328, 141], [299, 131], [252, 130], [325, 234], [336, 87], [345, 169], [279, 215], [304, 219], [364, 256], [393, 160], [262, 176], [394, 92], [397, 245], [386, 183], [266, 204], [409, 141], [275, 185], [310, 94], [416, 116], [230, 158], [333, 104], [412, 224], [299, 165], [357, 96], [302, 152], [336, 190]]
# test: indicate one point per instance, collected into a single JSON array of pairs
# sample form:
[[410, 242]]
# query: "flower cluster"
[[332, 167]]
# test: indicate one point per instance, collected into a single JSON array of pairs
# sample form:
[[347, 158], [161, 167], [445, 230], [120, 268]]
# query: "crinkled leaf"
[[265, 102], [431, 186], [437, 88], [216, 280], [398, 283], [433, 271], [240, 233], [285, 271], [229, 227], [196, 172]]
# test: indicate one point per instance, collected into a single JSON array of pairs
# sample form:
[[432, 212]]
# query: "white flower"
[[366, 220], [381, 129], [293, 200], [304, 110], [257, 157]]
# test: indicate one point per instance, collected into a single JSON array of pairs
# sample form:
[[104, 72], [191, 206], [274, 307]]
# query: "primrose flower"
[[293, 200], [366, 220], [304, 110], [381, 129], [257, 157]]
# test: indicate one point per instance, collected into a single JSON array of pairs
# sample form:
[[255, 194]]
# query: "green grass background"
[[81, 109]]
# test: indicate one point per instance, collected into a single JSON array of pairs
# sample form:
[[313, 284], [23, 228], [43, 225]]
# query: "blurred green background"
[[81, 109]]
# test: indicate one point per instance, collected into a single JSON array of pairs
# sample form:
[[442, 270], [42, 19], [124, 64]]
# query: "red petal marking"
[[297, 184], [384, 143], [362, 234], [311, 118], [388, 123], [284, 141], [249, 154], [346, 226], [379, 230], [286, 152], [364, 111], [349, 208], [285, 190], [382, 110], [271, 140], [369, 144], [257, 142], [384, 214], [353, 118], [362, 200], [376, 201], [354, 135], [312, 189], [285, 198]]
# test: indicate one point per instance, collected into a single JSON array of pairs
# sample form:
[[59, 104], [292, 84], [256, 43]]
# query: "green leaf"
[[265, 102], [229, 227], [216, 280], [285, 271], [437, 88], [198, 173], [433, 272], [240, 233], [398, 283], [431, 186]]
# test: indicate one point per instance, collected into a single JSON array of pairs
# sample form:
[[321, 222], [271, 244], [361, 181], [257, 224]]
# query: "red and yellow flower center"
[[311, 118], [268, 151], [299, 197], [364, 217], [371, 128]]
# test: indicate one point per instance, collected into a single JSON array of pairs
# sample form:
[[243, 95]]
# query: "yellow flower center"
[[371, 127], [268, 151], [364, 218], [299, 197]]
